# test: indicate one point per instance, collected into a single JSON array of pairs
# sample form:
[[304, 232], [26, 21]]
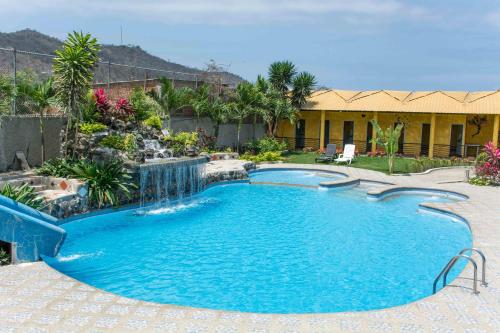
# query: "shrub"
[[58, 167], [144, 106], [130, 143], [101, 101], [113, 141], [123, 109], [89, 128], [480, 181], [4, 258], [154, 121], [24, 194], [106, 181], [266, 144], [270, 156], [181, 140], [424, 163], [488, 164]]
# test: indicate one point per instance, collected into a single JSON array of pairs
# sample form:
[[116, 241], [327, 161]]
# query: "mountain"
[[34, 41]]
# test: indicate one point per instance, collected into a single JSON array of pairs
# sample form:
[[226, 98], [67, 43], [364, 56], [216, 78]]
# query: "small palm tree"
[[281, 74], [73, 74], [170, 99], [39, 96], [389, 139]]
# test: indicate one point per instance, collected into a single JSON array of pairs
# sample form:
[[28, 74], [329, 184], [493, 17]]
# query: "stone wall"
[[22, 133]]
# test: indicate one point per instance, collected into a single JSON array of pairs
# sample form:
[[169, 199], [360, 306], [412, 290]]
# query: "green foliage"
[[73, 70], [88, 106], [144, 105], [424, 163], [266, 144], [389, 139], [58, 167], [89, 128], [24, 194], [113, 141], [7, 93], [106, 181], [269, 156], [5, 258], [130, 143], [170, 99], [181, 140], [206, 103], [154, 121], [480, 181], [281, 74]]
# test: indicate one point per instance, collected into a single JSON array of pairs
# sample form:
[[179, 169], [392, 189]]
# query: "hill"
[[34, 41]]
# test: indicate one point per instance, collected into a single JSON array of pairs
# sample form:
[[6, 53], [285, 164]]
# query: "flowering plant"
[[123, 109], [101, 100], [488, 163]]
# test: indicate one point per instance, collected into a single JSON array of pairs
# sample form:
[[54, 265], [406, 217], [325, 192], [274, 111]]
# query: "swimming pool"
[[267, 249], [296, 177]]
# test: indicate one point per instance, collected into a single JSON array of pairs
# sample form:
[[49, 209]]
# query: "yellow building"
[[436, 123]]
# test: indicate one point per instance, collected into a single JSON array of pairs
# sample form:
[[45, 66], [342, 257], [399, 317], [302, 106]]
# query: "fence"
[[17, 66]]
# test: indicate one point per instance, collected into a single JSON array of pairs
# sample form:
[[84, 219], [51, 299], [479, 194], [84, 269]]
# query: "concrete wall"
[[227, 132], [23, 133]]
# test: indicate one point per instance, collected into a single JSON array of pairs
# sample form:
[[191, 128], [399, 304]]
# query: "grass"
[[401, 164]]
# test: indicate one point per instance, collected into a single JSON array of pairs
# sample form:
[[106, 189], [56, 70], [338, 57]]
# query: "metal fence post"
[[14, 62], [109, 77]]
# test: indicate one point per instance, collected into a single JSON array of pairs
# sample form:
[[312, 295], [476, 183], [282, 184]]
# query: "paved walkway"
[[35, 298]]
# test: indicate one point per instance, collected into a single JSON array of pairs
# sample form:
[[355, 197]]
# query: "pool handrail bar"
[[449, 266], [483, 265]]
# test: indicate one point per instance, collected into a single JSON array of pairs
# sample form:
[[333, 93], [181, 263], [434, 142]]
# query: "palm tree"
[[39, 96], [73, 73], [247, 100], [286, 92], [389, 139], [170, 99], [212, 105]]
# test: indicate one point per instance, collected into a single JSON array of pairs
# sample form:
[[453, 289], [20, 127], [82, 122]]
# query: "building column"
[[432, 135], [322, 131], [496, 129], [374, 133]]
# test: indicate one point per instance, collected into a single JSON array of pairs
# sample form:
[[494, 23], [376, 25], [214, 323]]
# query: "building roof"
[[462, 102]]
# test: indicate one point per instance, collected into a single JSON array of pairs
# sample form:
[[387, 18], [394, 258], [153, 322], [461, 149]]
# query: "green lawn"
[[401, 164]]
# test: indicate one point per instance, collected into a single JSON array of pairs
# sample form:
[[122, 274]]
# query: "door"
[[401, 141], [369, 136], [348, 137], [300, 134], [426, 136], [327, 132], [456, 139]]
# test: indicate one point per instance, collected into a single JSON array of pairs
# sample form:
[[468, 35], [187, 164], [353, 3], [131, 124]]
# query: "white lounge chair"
[[347, 155]]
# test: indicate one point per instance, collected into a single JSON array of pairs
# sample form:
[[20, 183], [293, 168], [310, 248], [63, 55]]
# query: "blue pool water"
[[301, 177], [268, 249]]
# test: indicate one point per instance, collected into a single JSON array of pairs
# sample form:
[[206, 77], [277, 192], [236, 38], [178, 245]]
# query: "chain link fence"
[[25, 67]]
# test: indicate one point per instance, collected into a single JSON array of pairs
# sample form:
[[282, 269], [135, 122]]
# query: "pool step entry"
[[454, 260]]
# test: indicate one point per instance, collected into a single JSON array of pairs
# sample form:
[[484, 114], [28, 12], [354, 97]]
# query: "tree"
[[247, 101], [170, 99], [389, 139], [39, 96], [285, 91], [73, 73], [212, 105]]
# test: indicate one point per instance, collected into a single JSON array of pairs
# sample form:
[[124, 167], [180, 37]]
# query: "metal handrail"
[[483, 266], [449, 266]]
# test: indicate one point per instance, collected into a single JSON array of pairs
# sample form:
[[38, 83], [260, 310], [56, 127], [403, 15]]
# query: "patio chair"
[[348, 154], [329, 154]]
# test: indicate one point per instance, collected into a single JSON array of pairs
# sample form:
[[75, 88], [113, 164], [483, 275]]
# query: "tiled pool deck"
[[36, 298]]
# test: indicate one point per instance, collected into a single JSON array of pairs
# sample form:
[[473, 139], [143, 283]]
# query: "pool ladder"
[[454, 260]]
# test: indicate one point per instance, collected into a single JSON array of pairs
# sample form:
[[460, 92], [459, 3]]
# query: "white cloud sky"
[[223, 11]]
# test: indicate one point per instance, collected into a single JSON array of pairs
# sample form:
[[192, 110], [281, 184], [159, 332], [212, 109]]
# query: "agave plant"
[[24, 194], [106, 181]]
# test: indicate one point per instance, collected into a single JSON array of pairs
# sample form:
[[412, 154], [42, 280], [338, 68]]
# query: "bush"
[[144, 106], [106, 181], [270, 156], [89, 128], [113, 141], [425, 163], [488, 164], [4, 258], [178, 142], [266, 144], [130, 143], [24, 194], [480, 181], [58, 167], [154, 121]]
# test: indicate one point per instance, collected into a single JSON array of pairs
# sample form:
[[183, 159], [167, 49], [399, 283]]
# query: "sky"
[[346, 44]]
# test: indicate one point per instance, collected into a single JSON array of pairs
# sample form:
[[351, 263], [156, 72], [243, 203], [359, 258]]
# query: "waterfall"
[[160, 182], [159, 153]]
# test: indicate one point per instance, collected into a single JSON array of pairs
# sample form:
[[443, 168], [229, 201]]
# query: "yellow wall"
[[412, 135]]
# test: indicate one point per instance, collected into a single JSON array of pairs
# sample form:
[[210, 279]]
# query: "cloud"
[[231, 12], [493, 18]]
